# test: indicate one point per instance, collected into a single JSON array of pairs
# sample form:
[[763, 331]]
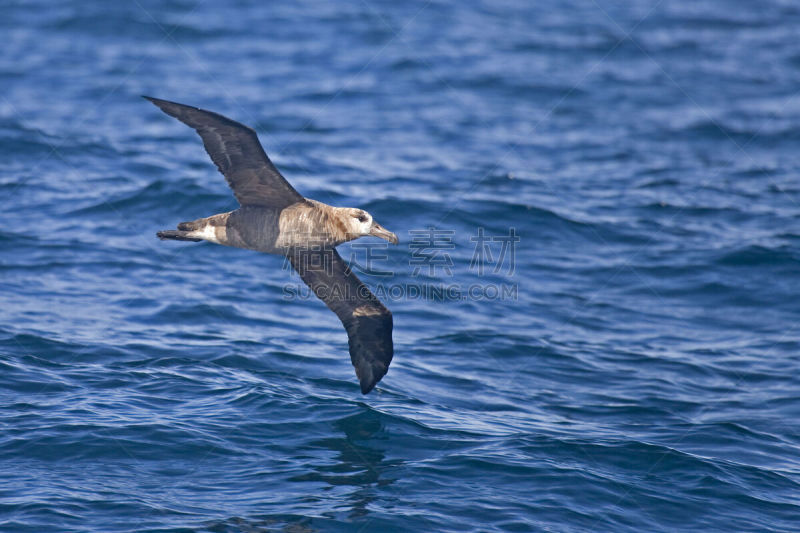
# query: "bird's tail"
[[176, 235], [210, 229]]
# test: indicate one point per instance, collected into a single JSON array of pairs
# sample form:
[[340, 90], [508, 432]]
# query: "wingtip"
[[161, 103], [158, 102], [370, 380]]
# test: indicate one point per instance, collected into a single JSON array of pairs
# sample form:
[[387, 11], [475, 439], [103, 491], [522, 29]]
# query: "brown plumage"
[[274, 218]]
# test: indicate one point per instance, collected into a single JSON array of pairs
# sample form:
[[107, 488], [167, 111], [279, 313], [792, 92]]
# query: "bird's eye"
[[362, 218]]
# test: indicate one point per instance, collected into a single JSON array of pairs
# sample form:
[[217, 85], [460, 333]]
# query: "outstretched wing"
[[366, 319], [235, 150]]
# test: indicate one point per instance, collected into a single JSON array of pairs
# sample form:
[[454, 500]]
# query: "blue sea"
[[596, 294]]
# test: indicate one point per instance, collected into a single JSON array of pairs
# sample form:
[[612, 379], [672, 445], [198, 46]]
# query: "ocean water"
[[596, 295]]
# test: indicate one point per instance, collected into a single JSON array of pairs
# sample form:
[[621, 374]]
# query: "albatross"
[[274, 218]]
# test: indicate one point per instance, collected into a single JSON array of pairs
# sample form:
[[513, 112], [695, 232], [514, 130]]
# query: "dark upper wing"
[[235, 150], [366, 319]]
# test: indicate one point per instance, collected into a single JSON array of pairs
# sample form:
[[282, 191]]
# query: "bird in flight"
[[274, 218]]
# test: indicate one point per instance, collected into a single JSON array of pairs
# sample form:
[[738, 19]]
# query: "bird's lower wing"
[[367, 321]]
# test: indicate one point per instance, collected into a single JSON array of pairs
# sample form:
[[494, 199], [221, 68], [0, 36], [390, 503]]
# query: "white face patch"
[[360, 222]]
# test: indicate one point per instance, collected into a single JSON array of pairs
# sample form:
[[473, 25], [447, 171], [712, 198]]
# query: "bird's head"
[[359, 223]]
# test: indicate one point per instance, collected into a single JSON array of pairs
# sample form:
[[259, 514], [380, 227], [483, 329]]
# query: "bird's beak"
[[379, 231]]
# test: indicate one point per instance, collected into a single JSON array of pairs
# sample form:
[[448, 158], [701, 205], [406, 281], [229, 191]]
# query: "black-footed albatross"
[[274, 218]]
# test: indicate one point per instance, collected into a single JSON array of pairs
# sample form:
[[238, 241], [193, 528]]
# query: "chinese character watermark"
[[372, 258], [482, 255], [432, 251], [428, 248]]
